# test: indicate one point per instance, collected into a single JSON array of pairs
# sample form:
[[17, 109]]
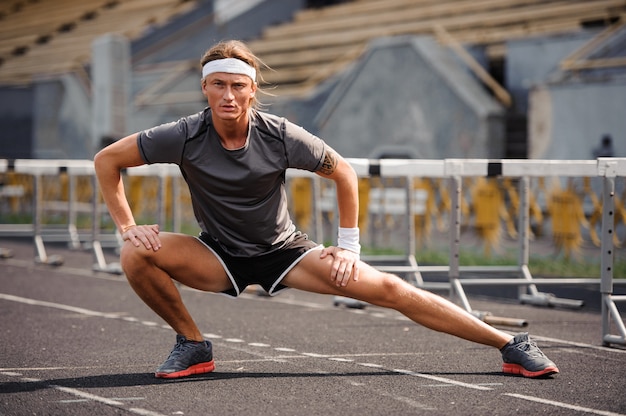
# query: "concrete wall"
[[410, 97], [531, 62], [16, 122], [567, 120], [570, 111], [62, 120]]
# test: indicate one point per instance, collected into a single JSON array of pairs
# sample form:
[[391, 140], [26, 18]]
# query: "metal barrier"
[[453, 170], [609, 169], [37, 169]]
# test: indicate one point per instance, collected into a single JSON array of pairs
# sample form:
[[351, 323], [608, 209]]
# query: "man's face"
[[228, 95]]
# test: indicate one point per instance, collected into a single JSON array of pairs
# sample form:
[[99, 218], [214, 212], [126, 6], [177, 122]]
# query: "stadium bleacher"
[[328, 39], [49, 37]]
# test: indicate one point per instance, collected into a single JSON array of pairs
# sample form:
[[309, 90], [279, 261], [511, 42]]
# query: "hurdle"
[[609, 169], [94, 239], [454, 170], [67, 233]]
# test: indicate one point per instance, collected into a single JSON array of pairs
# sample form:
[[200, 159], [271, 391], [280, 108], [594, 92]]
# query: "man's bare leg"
[[386, 290], [151, 274], [520, 354]]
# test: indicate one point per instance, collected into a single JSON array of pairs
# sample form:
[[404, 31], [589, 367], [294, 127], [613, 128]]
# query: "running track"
[[75, 342]]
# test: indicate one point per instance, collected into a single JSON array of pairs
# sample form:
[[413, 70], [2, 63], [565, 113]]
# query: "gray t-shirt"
[[238, 196]]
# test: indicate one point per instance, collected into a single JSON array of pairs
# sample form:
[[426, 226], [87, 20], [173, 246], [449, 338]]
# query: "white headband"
[[230, 66]]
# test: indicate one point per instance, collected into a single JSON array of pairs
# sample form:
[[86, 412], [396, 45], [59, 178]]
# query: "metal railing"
[[452, 170]]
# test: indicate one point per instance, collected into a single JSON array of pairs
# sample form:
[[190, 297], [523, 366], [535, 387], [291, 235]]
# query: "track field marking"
[[579, 344], [564, 405], [377, 314], [248, 296], [29, 264], [91, 397], [444, 381], [89, 312], [54, 305]]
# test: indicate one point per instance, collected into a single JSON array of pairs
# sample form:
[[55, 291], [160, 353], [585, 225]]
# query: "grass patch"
[[552, 266]]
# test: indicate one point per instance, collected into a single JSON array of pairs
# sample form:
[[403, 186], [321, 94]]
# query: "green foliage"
[[546, 265]]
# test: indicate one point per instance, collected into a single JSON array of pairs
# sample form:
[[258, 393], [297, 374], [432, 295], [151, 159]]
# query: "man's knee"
[[391, 288], [132, 257]]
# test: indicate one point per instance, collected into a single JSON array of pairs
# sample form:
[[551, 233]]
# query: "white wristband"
[[348, 238]]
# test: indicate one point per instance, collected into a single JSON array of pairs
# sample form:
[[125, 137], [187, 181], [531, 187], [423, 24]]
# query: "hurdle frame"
[[608, 169]]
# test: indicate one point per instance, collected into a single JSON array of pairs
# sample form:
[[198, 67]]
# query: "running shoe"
[[522, 356], [187, 358]]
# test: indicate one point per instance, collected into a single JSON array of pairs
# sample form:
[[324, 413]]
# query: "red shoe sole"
[[194, 369], [519, 370]]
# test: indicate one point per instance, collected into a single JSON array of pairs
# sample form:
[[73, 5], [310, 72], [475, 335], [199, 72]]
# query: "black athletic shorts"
[[267, 270]]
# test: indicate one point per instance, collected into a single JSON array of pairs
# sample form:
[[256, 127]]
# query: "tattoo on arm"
[[330, 163]]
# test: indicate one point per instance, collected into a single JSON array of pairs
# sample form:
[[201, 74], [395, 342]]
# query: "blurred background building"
[[375, 78]]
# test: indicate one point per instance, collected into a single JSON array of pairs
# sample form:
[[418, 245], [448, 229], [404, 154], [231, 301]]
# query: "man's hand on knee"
[[345, 265], [148, 235]]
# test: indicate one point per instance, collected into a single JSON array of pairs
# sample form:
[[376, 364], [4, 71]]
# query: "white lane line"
[[370, 365], [577, 344], [342, 360], [442, 380], [564, 405], [11, 373], [57, 306], [27, 264], [448, 385], [88, 396]]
